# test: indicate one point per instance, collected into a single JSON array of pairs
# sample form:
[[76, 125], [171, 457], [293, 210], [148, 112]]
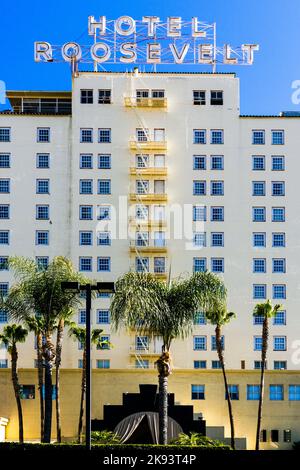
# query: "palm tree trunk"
[[16, 385], [49, 355], [221, 359], [264, 349], [164, 370], [39, 340], [60, 332], [83, 390]]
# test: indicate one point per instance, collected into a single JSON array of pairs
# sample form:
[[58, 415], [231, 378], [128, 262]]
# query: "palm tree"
[[219, 317], [149, 306], [265, 311], [12, 335], [79, 334]]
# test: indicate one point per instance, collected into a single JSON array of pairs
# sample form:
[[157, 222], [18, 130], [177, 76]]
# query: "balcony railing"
[[151, 350], [147, 222], [148, 197], [149, 171], [145, 102], [135, 144], [147, 247]]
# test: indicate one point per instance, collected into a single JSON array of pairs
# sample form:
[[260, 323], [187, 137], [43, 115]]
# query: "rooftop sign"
[[148, 41]]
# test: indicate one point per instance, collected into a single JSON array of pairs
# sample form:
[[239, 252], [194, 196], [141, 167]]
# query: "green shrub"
[[105, 437], [196, 439]]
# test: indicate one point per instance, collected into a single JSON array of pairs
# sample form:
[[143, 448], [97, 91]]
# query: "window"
[[86, 161], [142, 135], [253, 392], [4, 237], [42, 237], [103, 317], [80, 346], [103, 238], [280, 318], [3, 316], [43, 186], [217, 214], [259, 265], [198, 392], [279, 343], [214, 343], [4, 185], [294, 392], [199, 188], [217, 188], [104, 96], [43, 134], [86, 96], [199, 97], [4, 287], [43, 160], [142, 343], [217, 265], [216, 98], [200, 343], [199, 364], [217, 239], [215, 364], [103, 263], [278, 265], [142, 93], [104, 136], [287, 435], [103, 213], [86, 238], [199, 239], [142, 363], [4, 263], [258, 188], [86, 212], [279, 291], [159, 265], [277, 137], [278, 188], [80, 363], [258, 214], [276, 392], [280, 365], [104, 186], [258, 365], [233, 392], [199, 162], [104, 161], [142, 212], [274, 435], [142, 186], [142, 264], [258, 163], [278, 239], [158, 93], [200, 318], [199, 136], [27, 392], [142, 239], [86, 135], [259, 291], [86, 264], [3, 363], [259, 239], [278, 163], [4, 211], [86, 186], [199, 265], [217, 136], [81, 317], [278, 214], [4, 160], [258, 319], [257, 343], [258, 137], [199, 213], [103, 364], [42, 212], [142, 161], [217, 162], [4, 134]]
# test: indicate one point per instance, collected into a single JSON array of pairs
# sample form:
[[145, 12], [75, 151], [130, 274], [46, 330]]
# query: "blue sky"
[[265, 86]]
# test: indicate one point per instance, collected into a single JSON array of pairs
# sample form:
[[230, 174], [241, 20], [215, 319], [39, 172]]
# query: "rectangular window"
[[278, 214], [142, 363], [42, 212], [27, 392], [199, 162], [279, 343], [216, 98], [200, 318], [82, 317], [217, 265], [276, 392], [198, 392], [4, 134], [3, 316], [42, 262], [3, 362], [43, 160], [86, 238], [86, 96], [199, 239], [103, 238], [279, 291], [43, 134], [278, 239], [258, 365], [199, 265], [257, 343], [233, 392], [258, 319], [258, 188], [86, 212], [253, 392], [259, 291], [199, 364], [103, 213], [103, 317], [217, 162], [158, 94], [280, 365], [199, 188], [199, 136], [217, 214], [103, 363], [4, 237], [4, 160], [214, 343], [43, 186], [86, 135], [287, 435], [278, 265], [85, 186], [215, 364], [104, 186], [103, 263], [259, 265], [258, 137], [104, 161], [4, 263], [294, 392], [217, 188], [80, 363], [278, 137], [278, 163], [259, 239], [278, 188], [104, 96], [142, 161], [200, 343], [217, 239], [159, 265], [142, 264], [280, 318], [199, 97], [4, 288], [104, 342], [258, 163], [4, 211], [4, 186], [141, 343], [42, 237], [258, 214], [86, 161], [142, 186], [217, 136], [86, 264], [104, 136], [199, 213]]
